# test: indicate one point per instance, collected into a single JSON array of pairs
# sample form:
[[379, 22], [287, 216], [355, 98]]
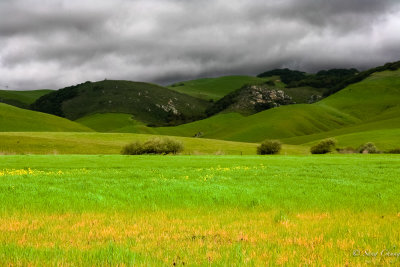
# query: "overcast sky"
[[57, 43]]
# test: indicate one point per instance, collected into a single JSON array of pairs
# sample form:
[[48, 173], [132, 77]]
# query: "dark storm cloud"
[[54, 43]]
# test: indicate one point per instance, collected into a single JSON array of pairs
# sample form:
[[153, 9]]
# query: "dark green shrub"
[[368, 148], [156, 145], [394, 151], [135, 148], [323, 147], [269, 147], [270, 83]]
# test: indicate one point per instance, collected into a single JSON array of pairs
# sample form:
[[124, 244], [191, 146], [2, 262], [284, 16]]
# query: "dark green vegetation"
[[361, 76], [22, 99], [330, 81], [369, 148], [324, 146], [269, 147], [286, 75], [324, 79], [148, 103], [157, 145]]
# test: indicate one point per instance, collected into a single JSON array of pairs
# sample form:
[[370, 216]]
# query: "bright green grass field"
[[199, 210], [216, 88]]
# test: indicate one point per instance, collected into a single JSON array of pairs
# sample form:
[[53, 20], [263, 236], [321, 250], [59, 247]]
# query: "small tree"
[[368, 148], [269, 147], [325, 146]]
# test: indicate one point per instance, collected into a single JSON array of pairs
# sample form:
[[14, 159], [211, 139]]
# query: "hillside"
[[359, 113], [216, 88], [21, 99], [14, 119], [376, 98], [148, 103], [281, 122], [250, 99], [114, 122]]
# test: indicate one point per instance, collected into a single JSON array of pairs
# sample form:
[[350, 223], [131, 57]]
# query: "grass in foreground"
[[153, 210]]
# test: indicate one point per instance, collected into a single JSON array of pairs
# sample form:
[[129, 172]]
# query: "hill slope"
[[215, 88], [114, 122], [375, 98], [21, 99], [14, 119], [148, 103], [380, 93]]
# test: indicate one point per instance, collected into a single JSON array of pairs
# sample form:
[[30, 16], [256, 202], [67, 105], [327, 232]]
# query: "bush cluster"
[[269, 147], [156, 145], [368, 148], [325, 146], [394, 151]]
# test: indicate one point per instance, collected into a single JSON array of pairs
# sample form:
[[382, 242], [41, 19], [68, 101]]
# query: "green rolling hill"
[[281, 122], [21, 99], [148, 103], [14, 119], [114, 122], [364, 111], [361, 109], [216, 88], [377, 95], [375, 99]]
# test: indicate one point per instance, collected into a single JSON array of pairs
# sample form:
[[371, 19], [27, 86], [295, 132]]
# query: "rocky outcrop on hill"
[[257, 98], [251, 99]]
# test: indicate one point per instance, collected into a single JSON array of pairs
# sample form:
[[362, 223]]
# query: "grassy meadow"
[[112, 143], [206, 210]]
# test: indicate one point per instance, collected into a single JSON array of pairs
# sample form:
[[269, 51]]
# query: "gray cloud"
[[55, 43]]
